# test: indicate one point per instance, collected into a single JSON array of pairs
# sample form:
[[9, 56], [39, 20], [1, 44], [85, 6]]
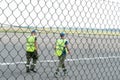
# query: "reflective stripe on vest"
[[30, 46], [60, 46]]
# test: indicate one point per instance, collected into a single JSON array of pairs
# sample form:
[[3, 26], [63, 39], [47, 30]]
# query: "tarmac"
[[93, 57]]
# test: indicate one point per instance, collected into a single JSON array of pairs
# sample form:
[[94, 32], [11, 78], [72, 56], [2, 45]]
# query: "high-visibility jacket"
[[30, 45], [60, 47]]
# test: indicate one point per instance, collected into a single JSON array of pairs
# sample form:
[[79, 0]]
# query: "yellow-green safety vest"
[[30, 46], [60, 45]]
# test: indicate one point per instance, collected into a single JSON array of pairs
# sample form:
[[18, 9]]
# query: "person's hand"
[[54, 48], [68, 52]]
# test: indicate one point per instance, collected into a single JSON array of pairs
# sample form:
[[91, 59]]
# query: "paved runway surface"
[[93, 57]]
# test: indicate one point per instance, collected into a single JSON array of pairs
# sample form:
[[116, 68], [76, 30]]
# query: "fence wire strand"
[[91, 27]]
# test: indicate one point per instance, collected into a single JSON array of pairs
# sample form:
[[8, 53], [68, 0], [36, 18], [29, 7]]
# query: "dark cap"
[[33, 31], [62, 34]]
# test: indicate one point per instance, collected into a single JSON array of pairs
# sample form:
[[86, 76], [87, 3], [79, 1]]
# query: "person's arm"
[[55, 45], [68, 49], [66, 45], [36, 44]]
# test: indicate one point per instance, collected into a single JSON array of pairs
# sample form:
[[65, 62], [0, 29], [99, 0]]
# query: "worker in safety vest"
[[31, 51], [61, 50]]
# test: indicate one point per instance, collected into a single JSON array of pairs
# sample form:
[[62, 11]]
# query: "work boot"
[[56, 73], [33, 70], [65, 71], [27, 69]]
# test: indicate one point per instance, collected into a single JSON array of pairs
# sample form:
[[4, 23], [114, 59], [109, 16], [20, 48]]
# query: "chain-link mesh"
[[91, 27]]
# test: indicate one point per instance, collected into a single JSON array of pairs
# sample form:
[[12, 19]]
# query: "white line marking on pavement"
[[68, 60]]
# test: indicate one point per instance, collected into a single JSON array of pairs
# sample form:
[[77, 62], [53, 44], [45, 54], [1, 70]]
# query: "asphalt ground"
[[93, 57]]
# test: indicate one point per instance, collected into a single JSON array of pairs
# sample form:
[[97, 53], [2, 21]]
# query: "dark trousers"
[[61, 63], [34, 57]]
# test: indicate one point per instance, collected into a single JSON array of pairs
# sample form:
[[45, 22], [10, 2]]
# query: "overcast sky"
[[61, 13], [115, 0]]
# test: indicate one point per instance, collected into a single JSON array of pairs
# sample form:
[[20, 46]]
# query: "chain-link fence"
[[91, 27]]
